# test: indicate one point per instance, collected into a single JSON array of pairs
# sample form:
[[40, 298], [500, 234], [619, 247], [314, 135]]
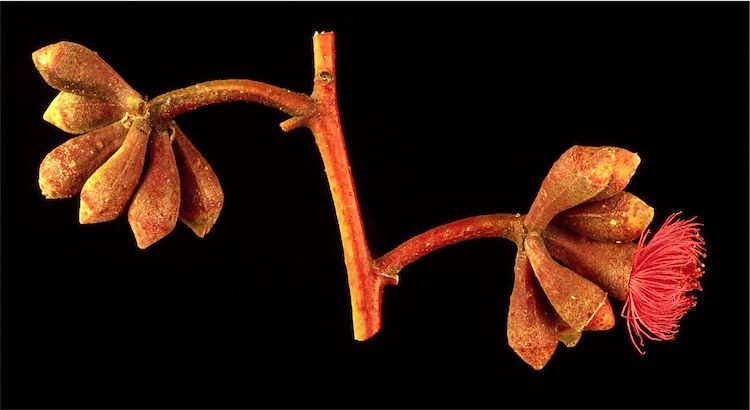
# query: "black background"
[[449, 110]]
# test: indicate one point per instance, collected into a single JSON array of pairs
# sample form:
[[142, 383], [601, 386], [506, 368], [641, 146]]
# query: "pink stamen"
[[663, 273]]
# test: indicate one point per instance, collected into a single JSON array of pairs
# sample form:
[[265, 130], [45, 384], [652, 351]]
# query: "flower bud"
[[625, 165], [156, 205], [606, 264], [604, 319], [574, 298], [532, 333], [579, 175], [202, 197], [622, 218], [77, 114], [65, 169], [106, 193], [74, 68]]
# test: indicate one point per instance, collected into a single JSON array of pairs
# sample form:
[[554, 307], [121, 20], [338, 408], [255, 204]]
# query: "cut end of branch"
[[293, 123], [324, 55]]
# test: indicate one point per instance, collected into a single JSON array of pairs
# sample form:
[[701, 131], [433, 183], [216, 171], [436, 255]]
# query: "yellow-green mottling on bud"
[[65, 169], [156, 205], [74, 68], [77, 114], [621, 218], [106, 194], [567, 336], [202, 196]]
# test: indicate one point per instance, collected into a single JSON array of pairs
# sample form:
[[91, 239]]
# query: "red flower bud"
[[604, 319], [621, 218], [574, 298], [156, 205], [107, 192], [626, 163], [74, 68], [65, 169], [532, 332], [579, 175], [77, 114], [202, 196], [604, 263]]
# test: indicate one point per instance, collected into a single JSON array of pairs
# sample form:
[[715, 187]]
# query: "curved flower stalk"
[[580, 249], [583, 242], [106, 163]]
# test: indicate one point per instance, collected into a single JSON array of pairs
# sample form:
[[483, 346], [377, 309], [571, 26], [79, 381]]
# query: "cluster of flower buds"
[[580, 248], [584, 239], [117, 141]]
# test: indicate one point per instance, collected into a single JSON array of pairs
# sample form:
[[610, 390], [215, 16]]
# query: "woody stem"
[[169, 105], [319, 113], [506, 226], [365, 285]]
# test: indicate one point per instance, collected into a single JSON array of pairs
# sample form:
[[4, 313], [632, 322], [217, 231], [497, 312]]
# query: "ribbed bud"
[[77, 114], [622, 218], [107, 192], [65, 169], [574, 298], [202, 196], [74, 68], [579, 175], [532, 333], [604, 263], [156, 205]]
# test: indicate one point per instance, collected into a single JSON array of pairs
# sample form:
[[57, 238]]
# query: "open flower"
[[106, 162], [580, 249]]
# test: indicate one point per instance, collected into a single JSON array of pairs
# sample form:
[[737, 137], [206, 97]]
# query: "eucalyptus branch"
[[583, 240]]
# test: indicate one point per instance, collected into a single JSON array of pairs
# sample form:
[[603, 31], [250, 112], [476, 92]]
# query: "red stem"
[[171, 104], [506, 226], [319, 112], [365, 285]]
